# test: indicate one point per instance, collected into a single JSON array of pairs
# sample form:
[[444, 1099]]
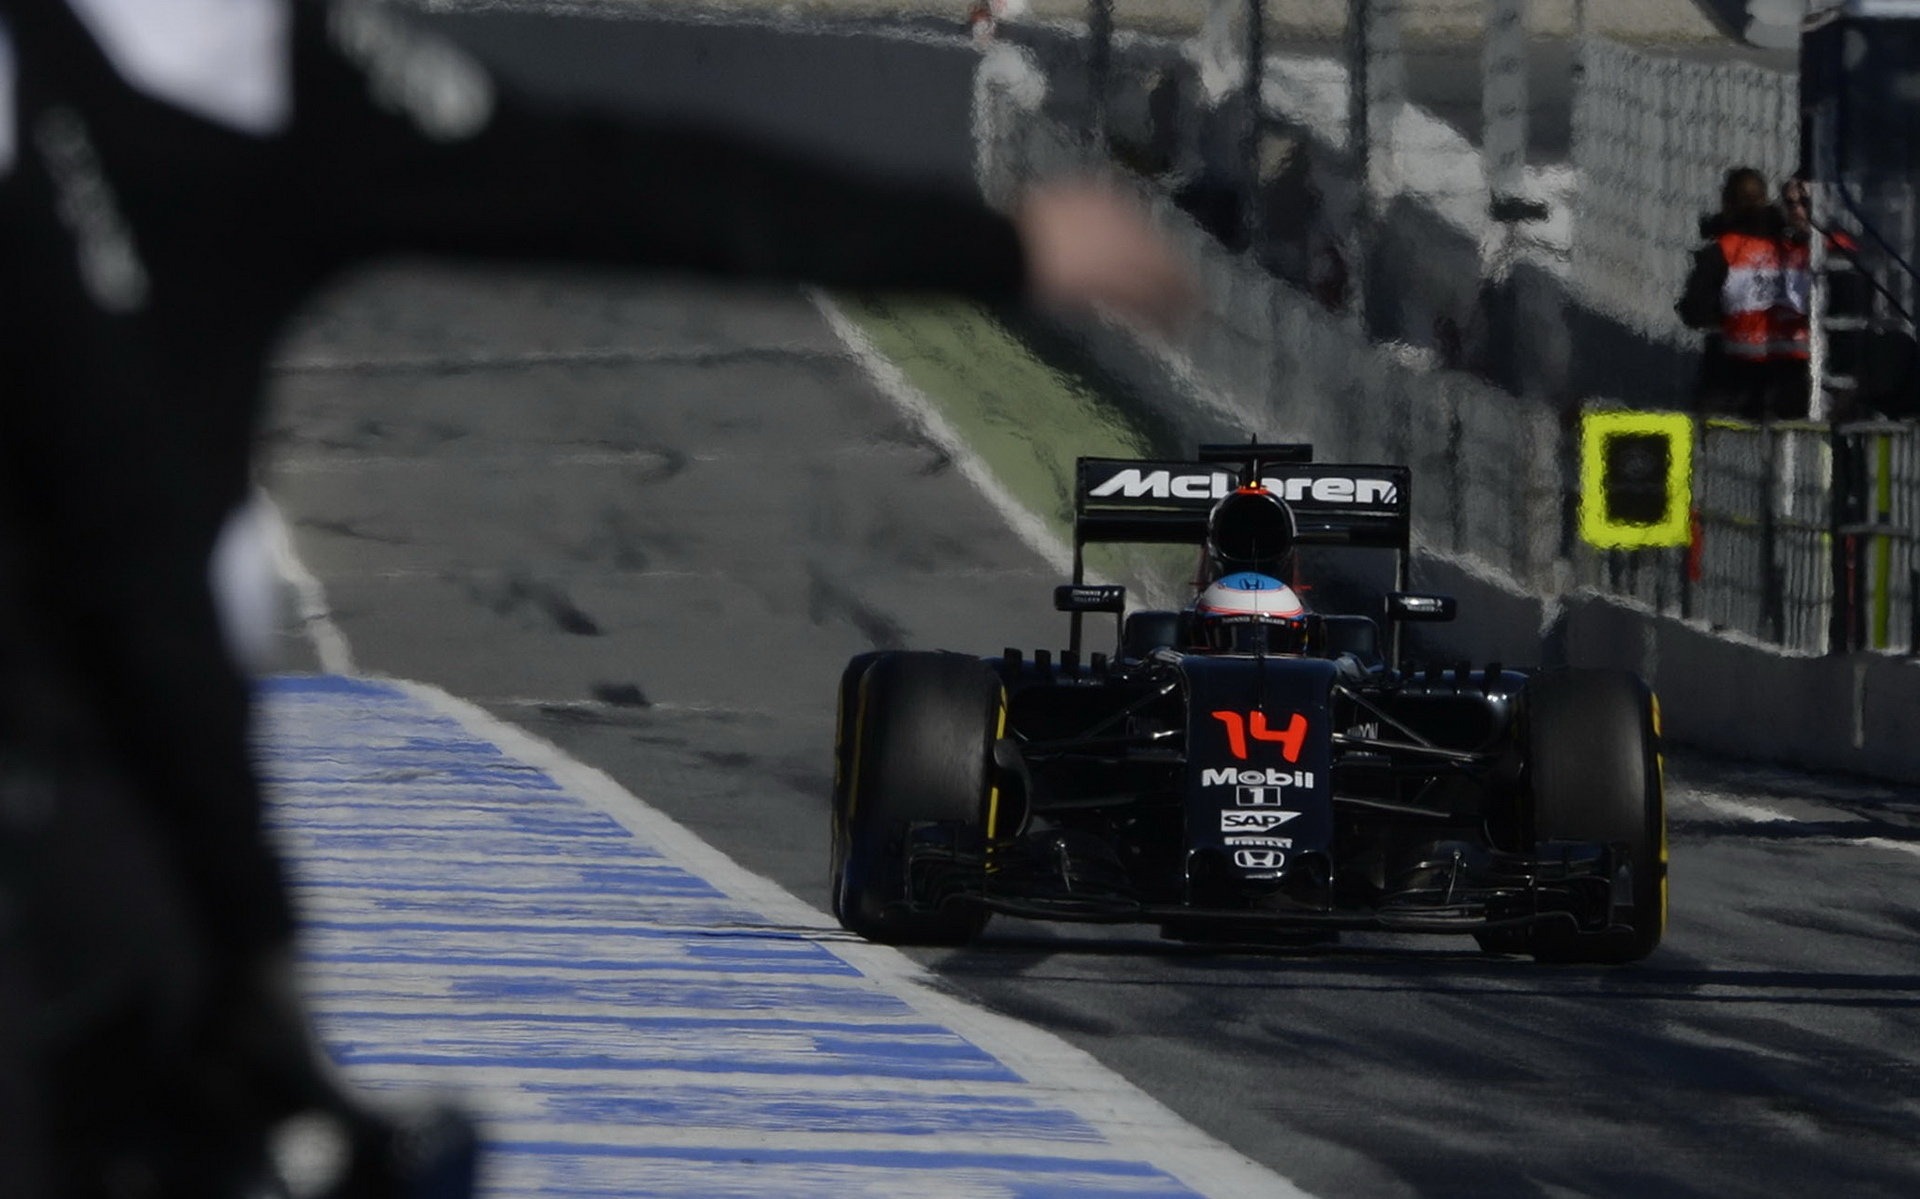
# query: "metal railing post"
[[1773, 608], [1099, 66], [1882, 565], [1913, 612], [1840, 617]]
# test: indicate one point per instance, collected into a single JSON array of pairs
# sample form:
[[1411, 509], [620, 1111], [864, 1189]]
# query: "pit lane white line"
[[309, 596], [1739, 809], [1754, 813], [1907, 847]]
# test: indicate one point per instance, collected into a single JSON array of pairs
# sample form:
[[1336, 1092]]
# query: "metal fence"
[[1804, 536]]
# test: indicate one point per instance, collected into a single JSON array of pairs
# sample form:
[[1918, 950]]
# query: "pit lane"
[[648, 522]]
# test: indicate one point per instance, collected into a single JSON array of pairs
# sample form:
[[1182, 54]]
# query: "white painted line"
[[893, 384], [1122, 1113], [369, 975], [745, 1140], [465, 1007], [1756, 814], [572, 862], [310, 597], [1739, 809], [500, 1084], [1906, 847]]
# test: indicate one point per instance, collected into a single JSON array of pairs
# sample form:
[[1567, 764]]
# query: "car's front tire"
[[1594, 774], [916, 745]]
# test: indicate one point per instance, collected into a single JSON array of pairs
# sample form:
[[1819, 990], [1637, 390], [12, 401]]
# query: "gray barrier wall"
[[1264, 358]]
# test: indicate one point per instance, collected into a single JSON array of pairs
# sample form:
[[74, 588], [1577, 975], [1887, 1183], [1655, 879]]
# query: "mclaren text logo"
[[1134, 483], [1254, 724], [1259, 859], [1253, 822]]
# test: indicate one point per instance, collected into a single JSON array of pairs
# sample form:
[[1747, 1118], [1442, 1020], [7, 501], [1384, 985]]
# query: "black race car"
[[1244, 769]]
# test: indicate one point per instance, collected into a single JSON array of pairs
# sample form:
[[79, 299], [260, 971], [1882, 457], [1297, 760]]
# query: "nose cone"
[[1250, 530]]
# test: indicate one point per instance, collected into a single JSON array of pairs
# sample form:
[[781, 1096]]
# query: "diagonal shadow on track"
[[1438, 972]]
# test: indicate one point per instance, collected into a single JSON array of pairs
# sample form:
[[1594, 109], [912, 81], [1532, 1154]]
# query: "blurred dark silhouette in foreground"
[[175, 177]]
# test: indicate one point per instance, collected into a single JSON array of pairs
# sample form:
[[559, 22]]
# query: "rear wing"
[[1151, 501]]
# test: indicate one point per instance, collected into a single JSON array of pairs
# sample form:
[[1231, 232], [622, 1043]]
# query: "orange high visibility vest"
[[1756, 285], [1789, 320]]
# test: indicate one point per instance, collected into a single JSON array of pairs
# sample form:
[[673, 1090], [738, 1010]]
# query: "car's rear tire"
[[916, 745], [1594, 774]]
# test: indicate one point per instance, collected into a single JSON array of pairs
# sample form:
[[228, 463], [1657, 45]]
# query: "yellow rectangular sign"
[[1636, 479]]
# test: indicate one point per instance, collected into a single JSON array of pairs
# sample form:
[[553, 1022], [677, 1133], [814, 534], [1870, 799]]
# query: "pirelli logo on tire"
[[1636, 479]]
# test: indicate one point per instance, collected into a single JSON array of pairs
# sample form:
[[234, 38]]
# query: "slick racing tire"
[[917, 744], [1593, 746]]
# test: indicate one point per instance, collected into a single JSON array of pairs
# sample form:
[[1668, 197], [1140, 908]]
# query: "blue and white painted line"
[[633, 1014]]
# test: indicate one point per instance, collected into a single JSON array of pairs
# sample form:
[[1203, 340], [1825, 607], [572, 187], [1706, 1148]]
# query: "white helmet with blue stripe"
[[1249, 612]]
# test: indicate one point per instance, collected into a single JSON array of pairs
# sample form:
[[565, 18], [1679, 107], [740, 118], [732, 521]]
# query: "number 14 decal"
[[1238, 727]]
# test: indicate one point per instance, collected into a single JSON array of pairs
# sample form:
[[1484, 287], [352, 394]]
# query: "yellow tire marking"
[[1660, 783], [993, 794]]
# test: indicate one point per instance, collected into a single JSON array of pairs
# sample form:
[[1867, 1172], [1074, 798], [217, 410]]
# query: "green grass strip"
[[1027, 419]]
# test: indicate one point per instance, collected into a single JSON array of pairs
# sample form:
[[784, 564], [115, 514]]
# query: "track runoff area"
[[630, 1013]]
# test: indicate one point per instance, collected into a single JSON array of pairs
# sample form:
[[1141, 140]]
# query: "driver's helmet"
[[1250, 613]]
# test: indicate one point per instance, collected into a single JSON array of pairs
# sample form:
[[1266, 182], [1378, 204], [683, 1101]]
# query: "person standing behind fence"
[[1790, 331], [1848, 350], [1737, 293]]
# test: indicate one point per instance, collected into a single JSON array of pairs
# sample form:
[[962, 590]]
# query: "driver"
[[1243, 606]]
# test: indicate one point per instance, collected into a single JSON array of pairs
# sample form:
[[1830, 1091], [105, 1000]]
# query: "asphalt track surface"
[[648, 522]]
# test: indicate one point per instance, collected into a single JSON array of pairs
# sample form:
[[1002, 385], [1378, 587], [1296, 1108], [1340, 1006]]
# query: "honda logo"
[[1259, 859]]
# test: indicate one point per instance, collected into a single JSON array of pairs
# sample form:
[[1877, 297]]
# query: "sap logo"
[[1253, 822], [1134, 483], [1259, 859], [1269, 842], [1256, 778]]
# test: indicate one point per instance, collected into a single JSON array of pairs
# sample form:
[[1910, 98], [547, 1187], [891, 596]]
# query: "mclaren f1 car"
[[1244, 769]]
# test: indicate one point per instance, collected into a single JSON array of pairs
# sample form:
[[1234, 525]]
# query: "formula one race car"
[[1245, 769]]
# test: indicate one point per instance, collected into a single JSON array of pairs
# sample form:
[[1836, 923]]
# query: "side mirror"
[[1408, 606], [1090, 597]]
